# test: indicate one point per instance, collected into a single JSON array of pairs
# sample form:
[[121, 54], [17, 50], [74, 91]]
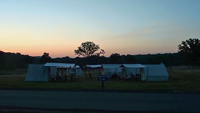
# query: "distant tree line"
[[16, 60], [188, 54]]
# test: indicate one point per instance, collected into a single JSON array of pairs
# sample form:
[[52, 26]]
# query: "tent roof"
[[134, 65], [77, 66], [93, 66], [61, 65], [125, 65], [111, 65]]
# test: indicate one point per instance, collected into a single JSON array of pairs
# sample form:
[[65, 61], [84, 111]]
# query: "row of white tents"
[[155, 72]]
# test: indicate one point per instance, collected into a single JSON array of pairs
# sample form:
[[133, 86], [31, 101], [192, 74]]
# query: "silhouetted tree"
[[115, 58], [45, 58], [2, 60], [66, 59], [88, 49], [190, 51], [130, 59]]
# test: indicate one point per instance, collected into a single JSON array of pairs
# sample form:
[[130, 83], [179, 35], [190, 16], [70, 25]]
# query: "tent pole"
[[61, 74], [43, 74], [147, 73]]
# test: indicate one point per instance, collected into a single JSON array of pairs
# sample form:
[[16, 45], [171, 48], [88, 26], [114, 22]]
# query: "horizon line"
[[94, 55]]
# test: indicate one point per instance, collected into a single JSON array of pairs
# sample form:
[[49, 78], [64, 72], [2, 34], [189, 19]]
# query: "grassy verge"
[[185, 80], [13, 72]]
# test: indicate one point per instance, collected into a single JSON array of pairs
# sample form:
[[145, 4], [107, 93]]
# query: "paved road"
[[168, 102]]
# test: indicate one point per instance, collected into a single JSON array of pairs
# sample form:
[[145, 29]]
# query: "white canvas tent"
[[93, 70], [65, 68], [110, 69], [37, 72], [79, 71], [59, 69], [94, 66], [134, 69], [40, 72], [156, 72], [129, 69], [60, 65], [148, 72]]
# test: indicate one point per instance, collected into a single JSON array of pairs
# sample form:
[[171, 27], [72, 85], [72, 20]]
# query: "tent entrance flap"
[[143, 77]]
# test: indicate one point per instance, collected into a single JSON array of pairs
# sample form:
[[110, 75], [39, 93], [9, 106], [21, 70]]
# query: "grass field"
[[179, 79]]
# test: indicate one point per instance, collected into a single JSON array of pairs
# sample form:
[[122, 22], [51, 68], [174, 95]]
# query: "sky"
[[58, 27]]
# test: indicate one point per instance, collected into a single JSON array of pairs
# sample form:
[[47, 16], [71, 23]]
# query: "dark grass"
[[13, 72], [179, 80], [85, 111]]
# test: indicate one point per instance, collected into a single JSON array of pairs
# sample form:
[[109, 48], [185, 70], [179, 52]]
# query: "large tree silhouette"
[[88, 49], [130, 59], [115, 58], [45, 58], [190, 51], [2, 59]]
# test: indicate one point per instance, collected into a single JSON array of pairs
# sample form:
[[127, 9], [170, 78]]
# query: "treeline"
[[16, 60], [169, 59]]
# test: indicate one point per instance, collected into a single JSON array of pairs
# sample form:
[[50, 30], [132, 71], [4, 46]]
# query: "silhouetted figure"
[[90, 75]]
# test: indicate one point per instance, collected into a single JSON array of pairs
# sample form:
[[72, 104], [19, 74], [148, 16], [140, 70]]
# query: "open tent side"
[[78, 70], [133, 69], [63, 69], [111, 69], [68, 68], [93, 70]]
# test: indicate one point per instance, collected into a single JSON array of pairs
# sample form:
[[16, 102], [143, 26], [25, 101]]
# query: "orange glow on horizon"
[[63, 53]]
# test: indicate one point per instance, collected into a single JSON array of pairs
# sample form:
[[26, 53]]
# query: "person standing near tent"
[[52, 77]]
